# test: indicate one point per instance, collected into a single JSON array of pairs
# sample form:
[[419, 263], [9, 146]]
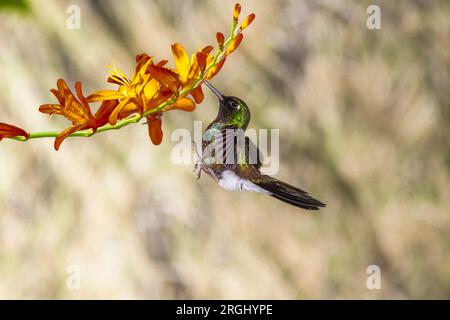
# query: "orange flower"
[[151, 85], [132, 94], [10, 131], [191, 69], [75, 109]]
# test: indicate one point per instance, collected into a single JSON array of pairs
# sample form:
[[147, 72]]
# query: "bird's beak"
[[219, 95]]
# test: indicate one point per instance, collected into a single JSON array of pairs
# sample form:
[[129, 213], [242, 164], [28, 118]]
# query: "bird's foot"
[[200, 165]]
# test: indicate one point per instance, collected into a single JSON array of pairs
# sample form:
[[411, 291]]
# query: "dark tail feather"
[[289, 194]]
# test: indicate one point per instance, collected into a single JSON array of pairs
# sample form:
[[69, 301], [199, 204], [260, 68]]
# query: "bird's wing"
[[228, 149], [280, 190], [253, 155]]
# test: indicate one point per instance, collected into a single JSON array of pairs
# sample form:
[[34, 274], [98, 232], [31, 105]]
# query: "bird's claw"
[[200, 166]]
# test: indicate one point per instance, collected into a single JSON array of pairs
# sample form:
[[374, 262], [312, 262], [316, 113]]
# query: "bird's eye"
[[234, 104]]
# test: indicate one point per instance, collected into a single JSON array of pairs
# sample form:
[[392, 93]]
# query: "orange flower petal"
[[151, 88], [247, 21], [84, 104], [201, 60], [72, 111], [141, 56], [154, 128], [162, 63], [194, 72], [63, 135], [181, 60], [166, 77], [215, 70], [234, 44], [105, 110], [104, 95], [79, 91], [198, 94], [50, 108], [184, 104], [220, 39], [159, 98], [58, 96], [63, 88], [10, 131], [127, 110], [140, 68], [207, 50], [115, 113]]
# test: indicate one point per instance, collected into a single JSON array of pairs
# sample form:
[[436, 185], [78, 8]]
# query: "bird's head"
[[232, 110]]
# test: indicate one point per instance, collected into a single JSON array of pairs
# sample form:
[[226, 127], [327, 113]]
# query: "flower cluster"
[[153, 89]]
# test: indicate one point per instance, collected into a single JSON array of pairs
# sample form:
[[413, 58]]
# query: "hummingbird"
[[241, 170]]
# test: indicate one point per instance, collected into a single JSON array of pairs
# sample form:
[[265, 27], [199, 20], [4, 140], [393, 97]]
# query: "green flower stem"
[[135, 119], [46, 134], [82, 133]]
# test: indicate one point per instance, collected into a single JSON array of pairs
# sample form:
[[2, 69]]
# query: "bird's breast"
[[230, 181]]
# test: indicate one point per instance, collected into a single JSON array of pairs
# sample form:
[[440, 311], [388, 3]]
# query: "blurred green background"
[[364, 119]]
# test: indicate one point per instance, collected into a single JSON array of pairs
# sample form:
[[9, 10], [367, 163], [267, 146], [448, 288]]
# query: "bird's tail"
[[289, 194]]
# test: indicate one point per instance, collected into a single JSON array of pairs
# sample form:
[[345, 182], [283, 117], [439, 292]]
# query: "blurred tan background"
[[364, 118]]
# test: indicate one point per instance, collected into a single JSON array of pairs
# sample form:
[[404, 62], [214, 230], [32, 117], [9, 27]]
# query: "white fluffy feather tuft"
[[231, 182]]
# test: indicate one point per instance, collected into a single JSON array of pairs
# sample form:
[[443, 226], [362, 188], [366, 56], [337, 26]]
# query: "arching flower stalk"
[[152, 90]]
